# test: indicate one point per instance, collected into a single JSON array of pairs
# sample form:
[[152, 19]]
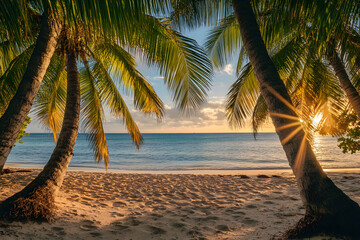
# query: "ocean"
[[181, 152]]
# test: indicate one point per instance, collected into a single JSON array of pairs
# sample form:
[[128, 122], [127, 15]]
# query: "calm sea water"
[[167, 152]]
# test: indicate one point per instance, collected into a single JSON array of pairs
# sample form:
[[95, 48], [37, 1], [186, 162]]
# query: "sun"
[[316, 120]]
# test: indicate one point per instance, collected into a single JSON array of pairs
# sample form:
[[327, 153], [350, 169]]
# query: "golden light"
[[316, 120], [302, 150]]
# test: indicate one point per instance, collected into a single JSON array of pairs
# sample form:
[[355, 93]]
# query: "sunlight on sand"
[[94, 205]]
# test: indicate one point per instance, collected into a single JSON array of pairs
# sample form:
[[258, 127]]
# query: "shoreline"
[[251, 172]]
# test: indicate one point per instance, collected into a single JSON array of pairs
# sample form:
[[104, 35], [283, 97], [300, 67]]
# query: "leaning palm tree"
[[340, 70], [312, 69], [53, 172], [313, 87], [328, 209], [13, 62], [335, 40], [11, 16], [17, 21], [106, 65]]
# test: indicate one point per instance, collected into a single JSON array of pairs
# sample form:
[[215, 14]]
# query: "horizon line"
[[156, 132]]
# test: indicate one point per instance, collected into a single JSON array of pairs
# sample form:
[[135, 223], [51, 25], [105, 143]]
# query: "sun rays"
[[300, 157], [294, 127]]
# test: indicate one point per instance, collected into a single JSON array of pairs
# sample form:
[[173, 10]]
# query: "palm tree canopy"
[[108, 65], [297, 34]]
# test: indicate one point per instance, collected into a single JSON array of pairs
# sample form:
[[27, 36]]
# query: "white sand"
[[93, 205]]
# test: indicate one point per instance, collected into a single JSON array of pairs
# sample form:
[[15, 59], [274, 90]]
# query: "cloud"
[[210, 117], [229, 69], [157, 78]]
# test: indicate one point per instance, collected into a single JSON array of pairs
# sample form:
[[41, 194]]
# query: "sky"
[[208, 118]]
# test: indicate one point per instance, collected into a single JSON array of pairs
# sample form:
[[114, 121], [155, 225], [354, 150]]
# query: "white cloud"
[[229, 69], [158, 78], [167, 107], [209, 114]]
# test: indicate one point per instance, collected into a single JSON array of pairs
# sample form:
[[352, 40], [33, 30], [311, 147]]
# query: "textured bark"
[[323, 201], [20, 105], [36, 200], [345, 83]]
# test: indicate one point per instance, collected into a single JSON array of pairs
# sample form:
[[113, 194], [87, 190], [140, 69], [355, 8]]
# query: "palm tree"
[[44, 187], [17, 22], [340, 71], [104, 59], [328, 209], [313, 87], [18, 108], [335, 39]]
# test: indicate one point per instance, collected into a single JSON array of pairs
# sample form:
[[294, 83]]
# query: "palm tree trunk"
[[20, 104], [327, 207], [36, 200], [346, 85]]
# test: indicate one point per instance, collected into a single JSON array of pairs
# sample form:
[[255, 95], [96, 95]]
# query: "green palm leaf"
[[223, 41], [50, 102], [93, 114], [185, 66], [11, 78], [121, 65], [111, 96], [242, 97]]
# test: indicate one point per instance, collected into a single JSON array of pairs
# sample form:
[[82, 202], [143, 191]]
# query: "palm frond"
[[223, 41], [242, 97], [184, 65], [92, 114], [10, 80], [259, 115], [49, 105], [194, 13], [114, 19], [15, 20], [110, 95], [244, 93], [8, 51], [122, 66], [242, 59]]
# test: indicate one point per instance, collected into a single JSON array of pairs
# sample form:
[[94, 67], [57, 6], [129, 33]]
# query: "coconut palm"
[[335, 39], [17, 21], [327, 208], [53, 172], [326, 205], [339, 68], [314, 88], [105, 66], [18, 108]]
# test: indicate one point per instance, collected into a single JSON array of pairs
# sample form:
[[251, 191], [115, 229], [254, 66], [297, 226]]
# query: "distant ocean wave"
[[182, 152]]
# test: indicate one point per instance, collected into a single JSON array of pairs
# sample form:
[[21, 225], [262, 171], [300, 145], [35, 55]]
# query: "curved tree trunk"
[[20, 105], [346, 85], [327, 207], [36, 200]]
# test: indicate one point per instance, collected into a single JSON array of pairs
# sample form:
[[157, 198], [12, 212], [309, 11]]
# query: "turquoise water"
[[168, 152]]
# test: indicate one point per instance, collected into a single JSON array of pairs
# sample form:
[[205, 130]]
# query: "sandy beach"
[[99, 205]]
